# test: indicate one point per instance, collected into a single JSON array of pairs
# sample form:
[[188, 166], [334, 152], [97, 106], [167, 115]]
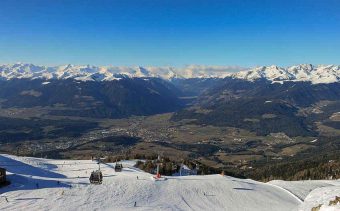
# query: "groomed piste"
[[43, 184]]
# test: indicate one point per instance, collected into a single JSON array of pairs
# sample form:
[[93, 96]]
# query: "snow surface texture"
[[304, 72], [42, 184]]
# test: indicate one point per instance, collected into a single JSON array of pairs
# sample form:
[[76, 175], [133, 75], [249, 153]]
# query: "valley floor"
[[42, 184]]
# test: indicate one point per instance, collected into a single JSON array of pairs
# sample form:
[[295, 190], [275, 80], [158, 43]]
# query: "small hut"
[[2, 176], [184, 170]]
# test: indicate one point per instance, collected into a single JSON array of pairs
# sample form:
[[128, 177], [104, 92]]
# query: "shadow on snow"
[[18, 167]]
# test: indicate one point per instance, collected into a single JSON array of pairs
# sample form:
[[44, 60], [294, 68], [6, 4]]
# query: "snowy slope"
[[302, 188], [35, 187], [312, 192], [304, 72]]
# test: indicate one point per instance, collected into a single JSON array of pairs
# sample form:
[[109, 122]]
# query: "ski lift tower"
[[98, 162], [158, 162], [180, 169]]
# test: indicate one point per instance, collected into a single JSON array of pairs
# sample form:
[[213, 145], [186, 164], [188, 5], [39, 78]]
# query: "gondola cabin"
[[96, 177], [118, 167]]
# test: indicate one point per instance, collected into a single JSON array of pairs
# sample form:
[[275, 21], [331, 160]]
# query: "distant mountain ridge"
[[100, 99], [304, 72], [109, 73], [263, 99], [264, 107]]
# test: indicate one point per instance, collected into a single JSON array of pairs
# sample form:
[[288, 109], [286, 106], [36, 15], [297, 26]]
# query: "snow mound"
[[321, 197], [42, 184]]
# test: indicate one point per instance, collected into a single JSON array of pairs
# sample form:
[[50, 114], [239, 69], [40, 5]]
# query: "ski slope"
[[42, 184]]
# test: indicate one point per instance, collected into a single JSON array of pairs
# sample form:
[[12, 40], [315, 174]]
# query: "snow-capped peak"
[[303, 72]]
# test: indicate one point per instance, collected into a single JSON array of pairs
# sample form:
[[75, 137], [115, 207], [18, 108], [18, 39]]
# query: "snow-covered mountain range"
[[304, 72], [88, 72]]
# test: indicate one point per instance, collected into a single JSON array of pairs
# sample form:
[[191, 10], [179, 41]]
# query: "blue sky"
[[170, 32]]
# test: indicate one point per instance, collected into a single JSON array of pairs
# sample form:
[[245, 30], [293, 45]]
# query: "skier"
[[135, 204], [137, 177]]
